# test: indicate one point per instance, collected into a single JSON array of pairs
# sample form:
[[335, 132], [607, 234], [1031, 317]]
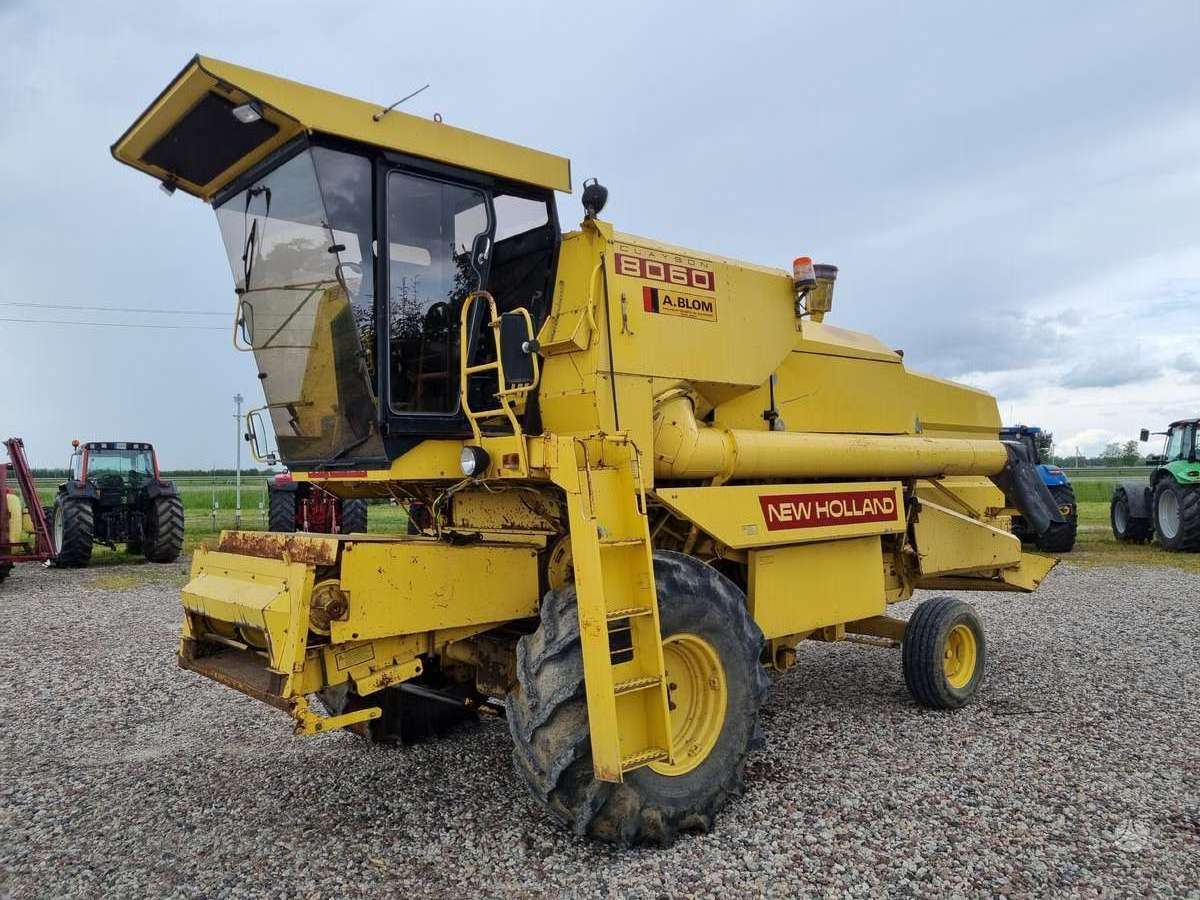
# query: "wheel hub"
[[698, 696], [1168, 514], [960, 656]]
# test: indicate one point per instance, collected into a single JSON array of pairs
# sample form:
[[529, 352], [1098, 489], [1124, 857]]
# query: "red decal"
[[784, 511], [669, 273], [325, 476]]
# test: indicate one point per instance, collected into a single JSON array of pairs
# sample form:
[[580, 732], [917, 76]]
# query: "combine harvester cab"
[[643, 474]]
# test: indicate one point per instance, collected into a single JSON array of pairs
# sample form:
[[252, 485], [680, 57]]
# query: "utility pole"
[[237, 503]]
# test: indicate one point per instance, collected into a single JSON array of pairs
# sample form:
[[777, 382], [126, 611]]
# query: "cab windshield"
[[120, 465], [299, 242]]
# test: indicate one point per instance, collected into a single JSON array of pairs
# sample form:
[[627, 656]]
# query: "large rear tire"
[[354, 516], [281, 511], [1060, 538], [74, 531], [162, 540], [700, 610], [1177, 515], [1125, 527]]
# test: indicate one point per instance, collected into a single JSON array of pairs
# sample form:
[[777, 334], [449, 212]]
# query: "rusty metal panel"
[[315, 550]]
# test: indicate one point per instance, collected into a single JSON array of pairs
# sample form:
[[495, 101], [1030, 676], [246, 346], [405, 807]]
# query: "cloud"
[[1186, 362], [1107, 372], [1089, 441]]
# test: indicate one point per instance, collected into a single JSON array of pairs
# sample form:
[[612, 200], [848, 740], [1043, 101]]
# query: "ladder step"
[[620, 542], [653, 754], [636, 684], [628, 613]]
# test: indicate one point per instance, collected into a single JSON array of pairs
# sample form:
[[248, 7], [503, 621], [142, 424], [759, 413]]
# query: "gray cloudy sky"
[[1012, 191]]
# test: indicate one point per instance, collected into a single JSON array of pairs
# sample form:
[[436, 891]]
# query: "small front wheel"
[[944, 653]]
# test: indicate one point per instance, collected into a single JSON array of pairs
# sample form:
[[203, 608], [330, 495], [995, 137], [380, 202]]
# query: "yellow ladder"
[[507, 395], [618, 610]]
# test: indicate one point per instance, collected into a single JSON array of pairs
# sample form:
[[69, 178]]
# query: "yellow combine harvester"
[[639, 475]]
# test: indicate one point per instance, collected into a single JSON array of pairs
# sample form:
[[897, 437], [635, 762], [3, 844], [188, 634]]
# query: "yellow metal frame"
[[300, 109]]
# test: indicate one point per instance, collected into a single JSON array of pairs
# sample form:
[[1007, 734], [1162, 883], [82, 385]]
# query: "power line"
[[116, 324], [128, 309]]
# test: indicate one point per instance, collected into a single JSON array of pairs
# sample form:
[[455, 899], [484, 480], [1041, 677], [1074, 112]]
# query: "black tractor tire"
[[5, 568], [1125, 528], [354, 516], [281, 511], [74, 530], [407, 718], [1060, 537], [926, 653], [162, 540], [1186, 500], [548, 717]]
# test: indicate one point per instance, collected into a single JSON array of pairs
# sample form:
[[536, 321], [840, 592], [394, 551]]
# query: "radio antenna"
[[383, 112]]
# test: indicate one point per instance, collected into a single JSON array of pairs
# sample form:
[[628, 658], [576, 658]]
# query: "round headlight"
[[474, 461]]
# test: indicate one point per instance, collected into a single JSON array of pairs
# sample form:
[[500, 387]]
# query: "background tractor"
[[646, 473], [1056, 481], [1167, 506], [114, 495], [24, 531], [299, 504]]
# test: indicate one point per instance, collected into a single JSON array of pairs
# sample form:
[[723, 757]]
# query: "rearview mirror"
[[1144, 435], [254, 423], [245, 322], [517, 348]]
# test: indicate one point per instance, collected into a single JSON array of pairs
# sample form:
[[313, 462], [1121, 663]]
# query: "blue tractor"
[[1056, 481]]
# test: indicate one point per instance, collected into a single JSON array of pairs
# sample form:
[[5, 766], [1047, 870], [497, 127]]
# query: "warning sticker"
[[672, 303], [355, 656]]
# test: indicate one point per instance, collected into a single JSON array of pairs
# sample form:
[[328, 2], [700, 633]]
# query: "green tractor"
[[1168, 507], [114, 495]]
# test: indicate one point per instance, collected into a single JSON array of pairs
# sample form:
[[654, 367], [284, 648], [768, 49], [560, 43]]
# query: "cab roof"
[[190, 138]]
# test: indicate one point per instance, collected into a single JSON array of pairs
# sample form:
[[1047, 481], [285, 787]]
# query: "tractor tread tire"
[[163, 540], [281, 511], [1188, 537], [5, 568], [78, 531], [1060, 537], [924, 646], [354, 516], [1137, 531], [548, 716]]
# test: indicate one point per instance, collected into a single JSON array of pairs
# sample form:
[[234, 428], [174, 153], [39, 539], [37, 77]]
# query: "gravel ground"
[[1075, 771]]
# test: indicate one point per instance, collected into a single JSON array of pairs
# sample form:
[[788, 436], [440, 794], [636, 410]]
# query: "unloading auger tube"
[[686, 449]]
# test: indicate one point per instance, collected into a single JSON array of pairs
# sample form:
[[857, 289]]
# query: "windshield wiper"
[[249, 249]]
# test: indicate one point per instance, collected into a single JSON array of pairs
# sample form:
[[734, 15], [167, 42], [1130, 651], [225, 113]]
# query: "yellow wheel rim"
[[961, 655], [698, 697]]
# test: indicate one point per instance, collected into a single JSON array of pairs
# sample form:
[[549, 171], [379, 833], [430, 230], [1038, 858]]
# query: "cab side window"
[[1175, 444]]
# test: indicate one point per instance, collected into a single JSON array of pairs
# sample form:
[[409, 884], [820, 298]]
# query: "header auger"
[[639, 475]]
